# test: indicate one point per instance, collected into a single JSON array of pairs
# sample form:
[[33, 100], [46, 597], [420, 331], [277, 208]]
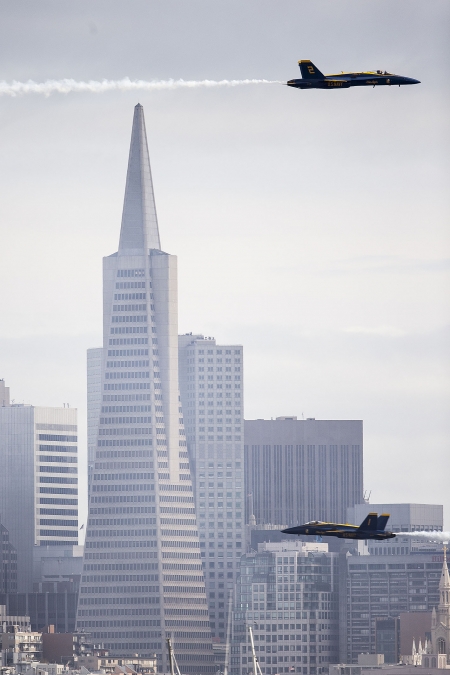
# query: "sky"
[[310, 226]]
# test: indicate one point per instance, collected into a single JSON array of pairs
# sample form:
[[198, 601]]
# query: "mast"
[[227, 644], [256, 666]]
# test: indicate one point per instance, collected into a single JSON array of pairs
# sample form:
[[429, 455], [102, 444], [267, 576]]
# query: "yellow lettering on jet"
[[311, 70]]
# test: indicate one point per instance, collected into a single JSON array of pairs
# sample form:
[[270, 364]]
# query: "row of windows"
[[118, 590], [92, 567], [125, 408], [125, 420], [136, 318], [60, 523], [122, 509], [58, 533], [57, 479], [57, 491], [56, 427], [179, 533], [142, 363], [123, 465], [184, 589], [126, 385], [130, 308], [129, 341], [122, 533], [130, 284], [124, 476], [58, 448], [129, 352], [58, 512], [131, 273], [122, 442], [121, 544], [122, 521], [131, 296], [144, 375], [126, 329], [127, 431], [55, 500], [57, 458], [141, 487], [57, 469]]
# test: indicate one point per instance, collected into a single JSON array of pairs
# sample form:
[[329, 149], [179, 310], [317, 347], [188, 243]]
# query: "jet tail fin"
[[382, 520], [309, 70], [370, 522]]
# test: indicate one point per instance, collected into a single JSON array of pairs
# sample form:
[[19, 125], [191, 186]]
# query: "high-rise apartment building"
[[301, 470], [142, 574], [288, 594], [38, 481], [211, 385]]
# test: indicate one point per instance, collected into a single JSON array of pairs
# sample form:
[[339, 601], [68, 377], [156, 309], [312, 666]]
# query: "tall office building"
[[38, 481], [142, 574], [301, 470], [211, 384], [94, 401]]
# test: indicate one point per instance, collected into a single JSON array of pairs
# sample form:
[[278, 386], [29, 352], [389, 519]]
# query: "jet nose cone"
[[412, 81]]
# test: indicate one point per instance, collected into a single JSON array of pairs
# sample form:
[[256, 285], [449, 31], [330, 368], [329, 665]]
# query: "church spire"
[[139, 229], [444, 584]]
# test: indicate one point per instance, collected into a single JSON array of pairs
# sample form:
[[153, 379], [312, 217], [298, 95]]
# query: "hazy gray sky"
[[310, 226]]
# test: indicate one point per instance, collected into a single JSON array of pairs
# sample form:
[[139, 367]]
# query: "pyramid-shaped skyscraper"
[[142, 577]]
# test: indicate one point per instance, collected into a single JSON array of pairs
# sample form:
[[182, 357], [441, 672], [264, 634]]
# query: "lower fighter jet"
[[312, 78], [372, 527]]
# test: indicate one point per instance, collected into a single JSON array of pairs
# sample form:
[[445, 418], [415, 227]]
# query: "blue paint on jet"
[[372, 527], [312, 78]]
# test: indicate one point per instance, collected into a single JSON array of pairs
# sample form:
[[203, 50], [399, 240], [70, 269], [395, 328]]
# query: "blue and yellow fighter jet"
[[372, 527], [312, 78]]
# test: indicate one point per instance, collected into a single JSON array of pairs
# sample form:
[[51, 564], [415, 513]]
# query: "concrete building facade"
[[94, 401], [8, 563], [142, 575], [211, 385], [38, 481], [288, 593], [301, 470]]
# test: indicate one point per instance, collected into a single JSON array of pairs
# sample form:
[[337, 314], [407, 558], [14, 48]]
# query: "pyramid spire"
[[139, 231]]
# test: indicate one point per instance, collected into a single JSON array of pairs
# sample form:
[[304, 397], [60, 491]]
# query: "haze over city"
[[310, 227]]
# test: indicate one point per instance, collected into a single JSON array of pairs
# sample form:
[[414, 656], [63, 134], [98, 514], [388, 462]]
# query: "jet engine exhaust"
[[67, 86]]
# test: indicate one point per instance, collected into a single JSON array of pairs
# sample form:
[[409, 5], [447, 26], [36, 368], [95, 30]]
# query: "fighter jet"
[[312, 78], [372, 527]]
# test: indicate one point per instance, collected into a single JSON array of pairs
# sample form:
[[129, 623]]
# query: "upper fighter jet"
[[312, 78], [372, 527]]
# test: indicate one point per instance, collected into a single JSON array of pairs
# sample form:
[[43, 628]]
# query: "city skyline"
[[340, 303]]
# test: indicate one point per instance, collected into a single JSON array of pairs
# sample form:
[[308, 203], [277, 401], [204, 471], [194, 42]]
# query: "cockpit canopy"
[[315, 522]]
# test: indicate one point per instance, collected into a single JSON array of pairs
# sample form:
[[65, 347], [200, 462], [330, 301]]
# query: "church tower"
[[142, 576], [440, 619]]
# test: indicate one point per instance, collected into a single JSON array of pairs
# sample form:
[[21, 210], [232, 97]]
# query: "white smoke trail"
[[434, 535], [67, 86]]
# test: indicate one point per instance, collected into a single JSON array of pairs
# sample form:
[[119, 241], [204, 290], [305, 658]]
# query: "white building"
[[38, 481], [142, 574], [211, 385]]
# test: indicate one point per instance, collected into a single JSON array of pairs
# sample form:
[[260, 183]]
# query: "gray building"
[[211, 385], [142, 575], [38, 481], [382, 587], [288, 594], [8, 563], [301, 470], [403, 518], [94, 401]]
